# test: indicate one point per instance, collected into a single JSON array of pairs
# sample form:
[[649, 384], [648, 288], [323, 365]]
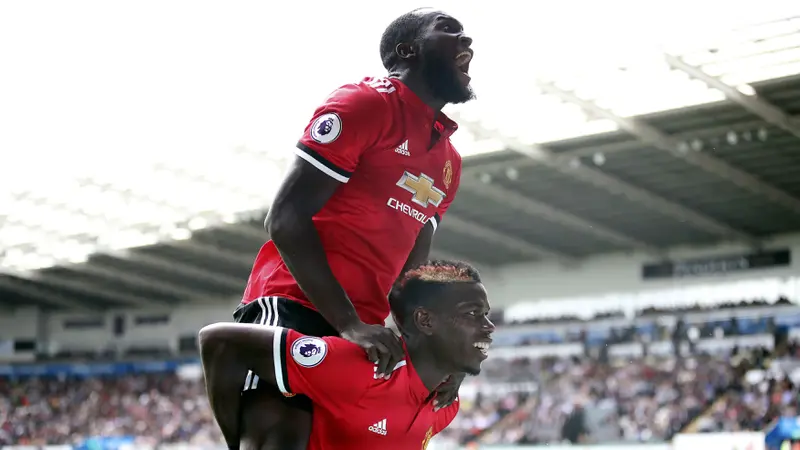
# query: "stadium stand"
[[616, 394], [153, 408]]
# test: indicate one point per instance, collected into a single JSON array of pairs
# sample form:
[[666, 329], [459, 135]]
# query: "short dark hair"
[[420, 286], [404, 29]]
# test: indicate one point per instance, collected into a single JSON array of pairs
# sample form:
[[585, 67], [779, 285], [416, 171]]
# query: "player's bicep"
[[303, 192], [422, 247]]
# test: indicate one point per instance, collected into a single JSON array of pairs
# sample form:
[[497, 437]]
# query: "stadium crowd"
[[641, 399], [644, 399], [154, 408], [768, 387], [591, 397]]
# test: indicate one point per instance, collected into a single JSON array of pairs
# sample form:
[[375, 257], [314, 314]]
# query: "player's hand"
[[383, 347], [447, 392]]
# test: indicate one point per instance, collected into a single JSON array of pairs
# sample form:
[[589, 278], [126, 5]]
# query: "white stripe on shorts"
[[269, 316]]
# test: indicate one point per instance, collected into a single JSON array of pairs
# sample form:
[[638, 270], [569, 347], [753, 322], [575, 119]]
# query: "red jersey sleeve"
[[328, 370], [445, 416], [351, 120]]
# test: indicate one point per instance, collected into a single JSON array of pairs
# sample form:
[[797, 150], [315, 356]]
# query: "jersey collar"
[[415, 385], [444, 124]]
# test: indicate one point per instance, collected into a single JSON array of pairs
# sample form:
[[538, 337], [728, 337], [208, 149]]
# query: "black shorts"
[[281, 312]]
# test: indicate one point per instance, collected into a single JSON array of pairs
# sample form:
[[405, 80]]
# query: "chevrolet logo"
[[422, 187]]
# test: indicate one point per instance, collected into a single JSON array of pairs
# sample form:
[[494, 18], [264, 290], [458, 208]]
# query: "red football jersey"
[[375, 138], [352, 409]]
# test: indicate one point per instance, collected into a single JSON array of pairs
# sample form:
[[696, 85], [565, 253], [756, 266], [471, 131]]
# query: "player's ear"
[[405, 51], [424, 321]]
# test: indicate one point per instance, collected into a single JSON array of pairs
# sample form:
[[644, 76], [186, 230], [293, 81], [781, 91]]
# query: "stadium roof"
[[693, 145]]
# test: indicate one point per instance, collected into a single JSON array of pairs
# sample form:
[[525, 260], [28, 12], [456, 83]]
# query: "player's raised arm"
[[342, 129]]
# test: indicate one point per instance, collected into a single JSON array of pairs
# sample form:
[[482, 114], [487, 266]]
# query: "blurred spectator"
[[580, 400], [162, 408], [764, 392]]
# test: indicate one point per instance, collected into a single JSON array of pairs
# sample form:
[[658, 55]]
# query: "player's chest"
[[391, 426], [414, 176], [410, 150]]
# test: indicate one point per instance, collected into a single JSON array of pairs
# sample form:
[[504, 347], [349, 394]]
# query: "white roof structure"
[[147, 159]]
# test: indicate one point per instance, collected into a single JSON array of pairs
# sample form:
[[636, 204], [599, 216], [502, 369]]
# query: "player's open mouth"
[[462, 64], [483, 347]]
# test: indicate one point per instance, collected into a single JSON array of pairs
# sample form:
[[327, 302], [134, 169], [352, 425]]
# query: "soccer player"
[[375, 173], [442, 309]]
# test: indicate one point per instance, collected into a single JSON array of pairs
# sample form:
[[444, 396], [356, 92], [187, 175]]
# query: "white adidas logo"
[[379, 427], [403, 149]]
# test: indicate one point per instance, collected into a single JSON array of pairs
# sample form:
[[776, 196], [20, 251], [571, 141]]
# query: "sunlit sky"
[[125, 80], [90, 87]]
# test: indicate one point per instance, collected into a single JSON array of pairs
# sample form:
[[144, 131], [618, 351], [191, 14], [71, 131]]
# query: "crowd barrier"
[[720, 441], [700, 441], [93, 369]]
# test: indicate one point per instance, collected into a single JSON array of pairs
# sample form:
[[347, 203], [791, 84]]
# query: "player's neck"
[[419, 87], [427, 365]]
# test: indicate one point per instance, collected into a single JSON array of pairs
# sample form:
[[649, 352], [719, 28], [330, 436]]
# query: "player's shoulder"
[[311, 351], [369, 92]]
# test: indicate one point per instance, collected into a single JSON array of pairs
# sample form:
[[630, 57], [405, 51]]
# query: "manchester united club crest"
[[429, 434], [447, 174]]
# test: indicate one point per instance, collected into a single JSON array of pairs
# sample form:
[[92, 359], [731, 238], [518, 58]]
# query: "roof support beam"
[[486, 234], [756, 105], [215, 253], [222, 280], [245, 230], [662, 141], [33, 291], [540, 155], [704, 133], [536, 208], [606, 149], [88, 289], [138, 280]]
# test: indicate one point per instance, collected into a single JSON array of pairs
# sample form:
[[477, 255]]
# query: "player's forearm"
[[419, 254], [228, 351], [300, 247], [224, 376], [240, 346], [422, 248]]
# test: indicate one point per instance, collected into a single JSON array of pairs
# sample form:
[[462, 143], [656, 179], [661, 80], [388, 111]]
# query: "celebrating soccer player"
[[443, 312]]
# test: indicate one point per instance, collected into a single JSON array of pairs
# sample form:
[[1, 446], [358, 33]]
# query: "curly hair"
[[422, 284]]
